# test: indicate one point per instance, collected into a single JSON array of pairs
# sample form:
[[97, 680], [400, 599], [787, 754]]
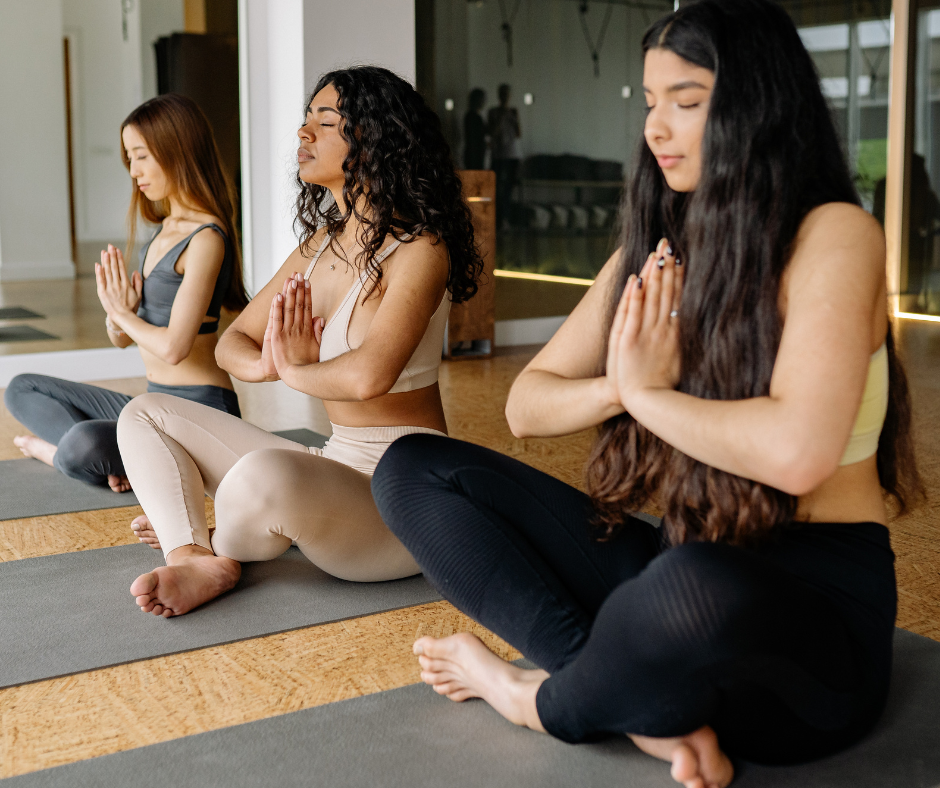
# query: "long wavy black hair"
[[400, 178], [770, 154]]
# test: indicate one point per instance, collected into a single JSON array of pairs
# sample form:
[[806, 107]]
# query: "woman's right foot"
[[697, 760], [143, 530], [119, 484], [195, 577], [34, 447]]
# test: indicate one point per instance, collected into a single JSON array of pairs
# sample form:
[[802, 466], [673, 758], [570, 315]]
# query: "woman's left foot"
[[143, 530], [119, 484], [34, 447], [461, 667], [697, 760]]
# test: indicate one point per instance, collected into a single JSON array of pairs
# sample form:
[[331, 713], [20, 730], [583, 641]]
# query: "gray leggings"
[[81, 420]]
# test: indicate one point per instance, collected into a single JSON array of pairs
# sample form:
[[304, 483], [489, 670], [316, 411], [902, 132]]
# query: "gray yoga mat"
[[23, 334], [19, 313], [410, 737], [73, 612], [30, 489]]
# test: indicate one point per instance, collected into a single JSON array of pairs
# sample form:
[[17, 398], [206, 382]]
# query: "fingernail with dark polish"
[[661, 262], [678, 263], [639, 283]]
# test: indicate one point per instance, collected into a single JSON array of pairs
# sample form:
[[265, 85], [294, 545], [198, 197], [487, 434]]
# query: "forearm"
[[758, 438], [240, 356], [119, 339], [348, 378], [154, 339], [543, 404]]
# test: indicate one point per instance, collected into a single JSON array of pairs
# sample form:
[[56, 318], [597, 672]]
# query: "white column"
[[272, 94], [284, 47], [34, 200]]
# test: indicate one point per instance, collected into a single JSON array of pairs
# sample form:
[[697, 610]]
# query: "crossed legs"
[[268, 491]]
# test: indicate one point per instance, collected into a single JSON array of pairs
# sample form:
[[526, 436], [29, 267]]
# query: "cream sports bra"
[[422, 368], [871, 413]]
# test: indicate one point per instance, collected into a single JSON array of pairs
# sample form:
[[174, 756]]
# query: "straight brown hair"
[[180, 139]]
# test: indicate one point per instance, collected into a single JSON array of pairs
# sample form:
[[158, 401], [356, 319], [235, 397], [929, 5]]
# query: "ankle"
[[185, 553], [523, 688]]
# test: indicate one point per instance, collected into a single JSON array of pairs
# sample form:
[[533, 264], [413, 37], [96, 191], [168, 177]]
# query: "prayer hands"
[[643, 350], [292, 337], [118, 293]]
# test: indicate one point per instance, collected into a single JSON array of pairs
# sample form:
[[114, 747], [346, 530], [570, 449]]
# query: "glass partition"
[[920, 287]]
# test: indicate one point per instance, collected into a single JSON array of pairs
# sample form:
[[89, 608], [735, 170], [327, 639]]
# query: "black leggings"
[[785, 650], [81, 420]]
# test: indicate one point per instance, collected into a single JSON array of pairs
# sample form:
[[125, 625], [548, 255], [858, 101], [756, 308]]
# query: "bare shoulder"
[[421, 257], [837, 226]]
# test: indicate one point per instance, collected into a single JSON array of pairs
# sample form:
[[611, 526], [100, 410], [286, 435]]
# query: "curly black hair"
[[399, 168]]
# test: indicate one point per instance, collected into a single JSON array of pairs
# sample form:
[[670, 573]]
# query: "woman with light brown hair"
[[189, 269]]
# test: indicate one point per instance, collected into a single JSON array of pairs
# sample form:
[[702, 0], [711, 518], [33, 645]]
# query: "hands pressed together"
[[119, 293], [643, 349], [292, 336]]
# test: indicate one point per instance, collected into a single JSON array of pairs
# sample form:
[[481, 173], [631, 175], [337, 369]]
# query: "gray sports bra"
[[162, 283]]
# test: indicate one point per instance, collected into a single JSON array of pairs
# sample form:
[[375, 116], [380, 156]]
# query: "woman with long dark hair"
[[356, 317], [737, 358], [189, 269]]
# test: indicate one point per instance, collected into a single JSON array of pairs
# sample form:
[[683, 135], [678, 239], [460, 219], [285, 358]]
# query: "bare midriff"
[[851, 495], [419, 408], [199, 368]]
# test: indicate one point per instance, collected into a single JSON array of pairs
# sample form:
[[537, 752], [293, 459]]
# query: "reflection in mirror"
[[65, 193]]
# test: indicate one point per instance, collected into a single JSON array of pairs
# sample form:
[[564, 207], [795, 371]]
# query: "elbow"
[[515, 420], [176, 355], [806, 466], [370, 387]]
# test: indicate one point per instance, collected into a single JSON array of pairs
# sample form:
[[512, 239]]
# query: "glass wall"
[[573, 111], [921, 286]]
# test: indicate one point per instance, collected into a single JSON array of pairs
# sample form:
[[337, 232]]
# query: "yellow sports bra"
[[871, 414]]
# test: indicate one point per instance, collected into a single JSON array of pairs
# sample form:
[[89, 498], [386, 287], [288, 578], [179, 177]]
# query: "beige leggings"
[[268, 491]]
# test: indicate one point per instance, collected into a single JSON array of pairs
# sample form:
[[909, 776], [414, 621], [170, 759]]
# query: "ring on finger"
[[674, 313]]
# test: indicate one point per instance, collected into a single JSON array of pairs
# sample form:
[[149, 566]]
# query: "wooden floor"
[[103, 711]]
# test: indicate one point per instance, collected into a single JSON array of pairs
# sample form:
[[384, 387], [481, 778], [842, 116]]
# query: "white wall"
[[106, 86], [157, 18], [341, 33], [574, 111], [284, 46], [34, 207]]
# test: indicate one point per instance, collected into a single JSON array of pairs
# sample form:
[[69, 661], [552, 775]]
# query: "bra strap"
[[316, 257]]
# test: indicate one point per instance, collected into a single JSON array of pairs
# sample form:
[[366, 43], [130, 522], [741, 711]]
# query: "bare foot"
[[143, 530], [34, 447], [193, 577], [461, 667], [697, 761], [119, 483]]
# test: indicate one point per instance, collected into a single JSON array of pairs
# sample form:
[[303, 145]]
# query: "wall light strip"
[[917, 316], [563, 280]]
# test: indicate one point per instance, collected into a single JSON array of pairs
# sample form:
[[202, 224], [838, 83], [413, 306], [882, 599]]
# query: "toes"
[[144, 585]]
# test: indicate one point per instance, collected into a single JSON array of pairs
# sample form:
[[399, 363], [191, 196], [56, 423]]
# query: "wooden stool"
[[471, 328]]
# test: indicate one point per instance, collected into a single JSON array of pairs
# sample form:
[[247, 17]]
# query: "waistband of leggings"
[[379, 434]]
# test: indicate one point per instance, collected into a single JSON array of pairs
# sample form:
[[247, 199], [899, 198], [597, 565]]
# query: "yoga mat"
[[73, 612], [18, 313], [30, 489], [23, 334], [411, 737]]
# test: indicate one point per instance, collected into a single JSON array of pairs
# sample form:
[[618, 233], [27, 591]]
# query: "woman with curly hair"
[[737, 357], [356, 317]]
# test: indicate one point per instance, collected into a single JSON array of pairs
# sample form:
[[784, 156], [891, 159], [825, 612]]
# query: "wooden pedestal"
[[471, 327]]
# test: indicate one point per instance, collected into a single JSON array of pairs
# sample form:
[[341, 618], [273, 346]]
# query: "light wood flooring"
[[58, 721]]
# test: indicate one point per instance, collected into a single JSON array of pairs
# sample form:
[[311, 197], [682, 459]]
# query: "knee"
[[20, 387], [139, 412], [83, 449], [253, 487], [406, 463]]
